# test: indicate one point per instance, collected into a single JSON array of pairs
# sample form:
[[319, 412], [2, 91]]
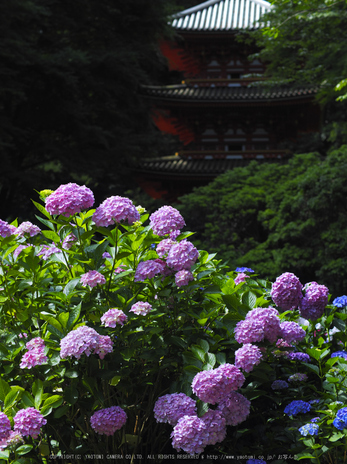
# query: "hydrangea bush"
[[119, 337]]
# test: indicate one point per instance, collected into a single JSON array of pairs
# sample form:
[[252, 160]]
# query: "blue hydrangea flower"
[[309, 429], [340, 422], [245, 269], [339, 354], [340, 301], [296, 407], [299, 356], [279, 384]]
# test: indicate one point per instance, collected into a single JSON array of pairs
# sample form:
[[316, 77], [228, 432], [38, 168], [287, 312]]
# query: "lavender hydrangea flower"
[[68, 241], [182, 255], [235, 408], [107, 421], [247, 357], [115, 209], [241, 277], [259, 324], [27, 228], [314, 302], [84, 340], [36, 354], [188, 435], [214, 385], [279, 385], [299, 356], [148, 270], [340, 301], [165, 220], [172, 407], [309, 429], [69, 199], [141, 308], [183, 277], [5, 426], [14, 439], [164, 247], [291, 332], [339, 354], [286, 291], [47, 251], [6, 229], [28, 422], [297, 407], [215, 431], [340, 421], [112, 317], [92, 278]]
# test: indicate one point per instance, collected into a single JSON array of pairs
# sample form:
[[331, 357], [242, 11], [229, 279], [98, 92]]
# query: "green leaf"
[[115, 380], [37, 390], [51, 235], [73, 316], [204, 345], [4, 389], [42, 209], [23, 449], [28, 400], [198, 352], [312, 367], [12, 396], [70, 286]]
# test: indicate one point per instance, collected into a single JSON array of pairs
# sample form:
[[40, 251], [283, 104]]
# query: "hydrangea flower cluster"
[[112, 317], [188, 435], [115, 209], [243, 269], [92, 278], [299, 356], [5, 426], [182, 255], [47, 251], [247, 357], [183, 277], [241, 277], [166, 220], [279, 385], [339, 354], [286, 291], [164, 247], [85, 340], [259, 324], [309, 429], [107, 421], [13, 439], [297, 407], [27, 228], [172, 407], [340, 301], [69, 199], [36, 354], [314, 302], [141, 308], [215, 427], [340, 421], [291, 332], [6, 229], [235, 408], [28, 422], [214, 385], [148, 269]]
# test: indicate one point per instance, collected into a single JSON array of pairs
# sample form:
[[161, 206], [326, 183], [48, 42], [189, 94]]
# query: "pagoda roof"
[[226, 94], [221, 15]]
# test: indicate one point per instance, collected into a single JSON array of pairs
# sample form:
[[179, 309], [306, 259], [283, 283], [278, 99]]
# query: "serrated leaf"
[[198, 352]]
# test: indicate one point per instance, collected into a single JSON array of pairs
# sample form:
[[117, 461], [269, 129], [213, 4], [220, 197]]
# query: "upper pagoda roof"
[[221, 15]]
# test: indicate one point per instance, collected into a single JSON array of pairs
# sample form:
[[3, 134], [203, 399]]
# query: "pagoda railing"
[[223, 82], [234, 154]]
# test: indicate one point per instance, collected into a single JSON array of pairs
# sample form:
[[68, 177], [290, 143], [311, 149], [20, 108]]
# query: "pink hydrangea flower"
[[84, 340], [36, 354], [69, 199], [107, 421], [5, 426], [286, 291], [314, 301], [115, 209], [6, 229], [92, 278], [141, 308], [216, 430], [28, 422], [241, 277], [188, 434], [214, 385], [13, 439], [112, 317], [172, 407], [182, 255], [47, 251], [148, 269], [183, 277], [164, 247], [68, 241], [235, 408], [27, 228], [260, 324], [247, 357], [165, 220], [291, 332]]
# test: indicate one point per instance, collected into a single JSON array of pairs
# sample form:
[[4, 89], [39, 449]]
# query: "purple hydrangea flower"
[[340, 301], [188, 435], [297, 377], [340, 421], [12, 440], [243, 269], [68, 241], [141, 308], [299, 356], [92, 278], [148, 269], [112, 317], [167, 219], [115, 209], [215, 431], [107, 421], [286, 291], [235, 408], [260, 324], [309, 429], [314, 302], [241, 277], [279, 385], [183, 277], [172, 407], [291, 332], [214, 385], [182, 255], [36, 354], [339, 354], [5, 426], [120, 269], [297, 407], [247, 357], [84, 340], [47, 251], [28, 422], [27, 228], [6, 229], [69, 199], [164, 247]]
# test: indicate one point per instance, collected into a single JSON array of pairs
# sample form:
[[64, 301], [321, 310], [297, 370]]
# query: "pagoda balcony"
[[234, 154]]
